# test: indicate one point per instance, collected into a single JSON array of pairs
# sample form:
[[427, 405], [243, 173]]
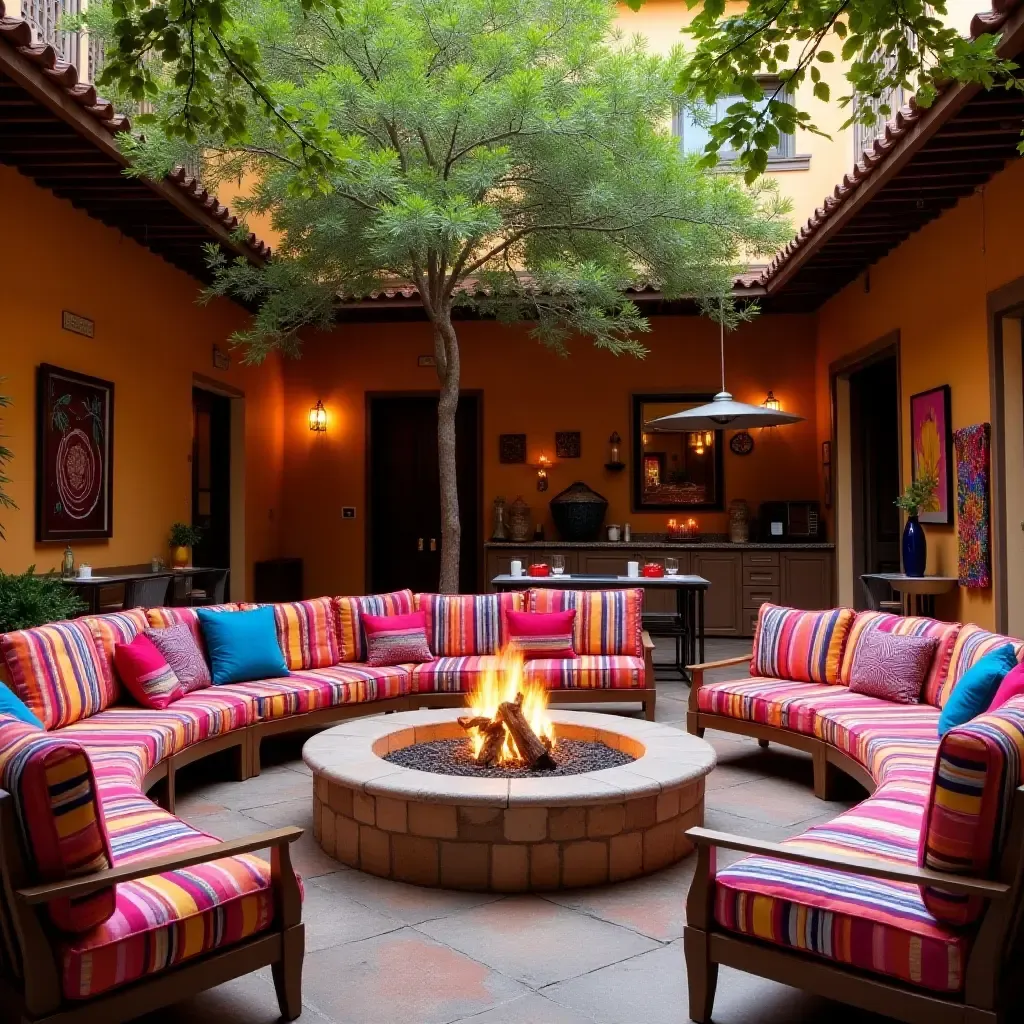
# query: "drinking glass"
[[671, 566], [558, 564]]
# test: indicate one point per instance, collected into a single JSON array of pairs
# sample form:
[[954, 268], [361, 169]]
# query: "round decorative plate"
[[741, 443]]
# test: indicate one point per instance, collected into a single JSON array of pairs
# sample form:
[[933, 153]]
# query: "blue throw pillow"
[[11, 704], [242, 645], [974, 692]]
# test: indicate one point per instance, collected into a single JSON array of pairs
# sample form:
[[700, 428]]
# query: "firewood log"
[[528, 743], [494, 740]]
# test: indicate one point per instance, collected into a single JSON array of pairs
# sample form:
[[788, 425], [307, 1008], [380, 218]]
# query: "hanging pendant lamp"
[[723, 411]]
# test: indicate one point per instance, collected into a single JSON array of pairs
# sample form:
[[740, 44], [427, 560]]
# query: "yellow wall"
[[151, 337], [527, 389], [933, 290]]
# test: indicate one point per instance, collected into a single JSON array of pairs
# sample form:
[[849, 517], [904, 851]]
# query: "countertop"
[[659, 545]]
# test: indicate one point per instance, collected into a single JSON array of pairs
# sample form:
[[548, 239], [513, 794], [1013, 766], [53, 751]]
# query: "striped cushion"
[[349, 610], [776, 702], [459, 624], [607, 621], [979, 767], [55, 797], [308, 633], [330, 687], [162, 618], [167, 919], [58, 673], [874, 925], [453, 675], [905, 625], [972, 644], [114, 628], [587, 672], [802, 646]]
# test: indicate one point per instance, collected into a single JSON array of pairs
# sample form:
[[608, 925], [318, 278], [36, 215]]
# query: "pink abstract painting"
[[931, 439]]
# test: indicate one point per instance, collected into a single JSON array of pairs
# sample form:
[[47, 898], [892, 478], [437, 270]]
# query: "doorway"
[[404, 491], [211, 478]]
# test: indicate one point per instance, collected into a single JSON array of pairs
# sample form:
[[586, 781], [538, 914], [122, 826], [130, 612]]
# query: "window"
[[694, 136]]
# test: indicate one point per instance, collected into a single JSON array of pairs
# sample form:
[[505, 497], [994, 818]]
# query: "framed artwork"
[[931, 447], [512, 448], [74, 455], [674, 470], [974, 508], [567, 444]]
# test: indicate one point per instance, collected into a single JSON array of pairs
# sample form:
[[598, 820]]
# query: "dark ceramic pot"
[[915, 547], [578, 512]]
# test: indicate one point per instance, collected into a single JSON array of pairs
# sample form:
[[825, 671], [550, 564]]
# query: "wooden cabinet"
[[807, 579], [722, 604]]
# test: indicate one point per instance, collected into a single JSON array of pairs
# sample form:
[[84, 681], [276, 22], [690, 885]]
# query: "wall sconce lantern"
[[543, 464], [701, 439], [615, 462], [318, 418], [772, 403]]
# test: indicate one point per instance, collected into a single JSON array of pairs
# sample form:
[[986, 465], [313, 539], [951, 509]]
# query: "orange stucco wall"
[[527, 389], [151, 337], [933, 290]]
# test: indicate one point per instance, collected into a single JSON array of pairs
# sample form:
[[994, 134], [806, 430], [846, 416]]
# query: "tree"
[[5, 456], [509, 147]]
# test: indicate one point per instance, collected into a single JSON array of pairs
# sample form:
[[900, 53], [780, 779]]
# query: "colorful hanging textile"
[[974, 514]]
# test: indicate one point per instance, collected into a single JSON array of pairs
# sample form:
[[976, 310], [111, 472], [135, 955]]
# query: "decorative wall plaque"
[[568, 444], [512, 448]]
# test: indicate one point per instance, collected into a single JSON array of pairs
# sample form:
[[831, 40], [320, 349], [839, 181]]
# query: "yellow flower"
[[928, 448]]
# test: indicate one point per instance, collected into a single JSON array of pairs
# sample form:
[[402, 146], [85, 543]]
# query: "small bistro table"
[[89, 587], [689, 590], [917, 592]]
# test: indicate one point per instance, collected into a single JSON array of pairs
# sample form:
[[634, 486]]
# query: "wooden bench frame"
[[990, 982]]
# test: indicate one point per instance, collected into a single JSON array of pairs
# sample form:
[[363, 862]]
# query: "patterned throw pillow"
[[542, 634], [892, 667], [178, 646], [396, 639], [146, 674]]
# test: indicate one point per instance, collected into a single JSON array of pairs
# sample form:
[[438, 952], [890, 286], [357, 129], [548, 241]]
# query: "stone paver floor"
[[381, 952]]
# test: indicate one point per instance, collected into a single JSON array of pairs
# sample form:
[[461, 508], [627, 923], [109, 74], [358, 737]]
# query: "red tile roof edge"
[[875, 156], [17, 32]]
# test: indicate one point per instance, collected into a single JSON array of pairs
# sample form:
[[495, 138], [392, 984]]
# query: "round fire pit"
[[526, 830]]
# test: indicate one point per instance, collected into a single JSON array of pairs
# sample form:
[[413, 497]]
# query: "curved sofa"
[[906, 904], [109, 903]]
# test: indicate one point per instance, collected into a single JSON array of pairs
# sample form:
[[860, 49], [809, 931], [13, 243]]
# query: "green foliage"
[[183, 535], [920, 495], [5, 456], [789, 40], [28, 600]]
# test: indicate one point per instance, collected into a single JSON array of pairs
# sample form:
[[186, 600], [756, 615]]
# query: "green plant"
[[920, 495], [183, 535], [5, 456], [28, 600]]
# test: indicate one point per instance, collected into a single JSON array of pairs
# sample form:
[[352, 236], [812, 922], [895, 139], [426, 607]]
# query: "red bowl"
[[653, 571], [539, 569]]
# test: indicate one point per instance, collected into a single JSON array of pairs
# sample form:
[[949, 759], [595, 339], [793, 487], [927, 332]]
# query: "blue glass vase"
[[915, 547]]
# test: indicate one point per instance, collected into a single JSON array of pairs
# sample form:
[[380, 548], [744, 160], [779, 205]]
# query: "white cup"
[[517, 567], [85, 572], [633, 569]]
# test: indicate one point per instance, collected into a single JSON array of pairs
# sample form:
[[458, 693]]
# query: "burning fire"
[[503, 684]]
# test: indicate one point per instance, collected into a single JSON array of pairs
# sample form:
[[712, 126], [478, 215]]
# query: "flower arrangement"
[[920, 493]]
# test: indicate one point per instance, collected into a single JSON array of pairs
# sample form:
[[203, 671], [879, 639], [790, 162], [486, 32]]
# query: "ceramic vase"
[[915, 547], [179, 556]]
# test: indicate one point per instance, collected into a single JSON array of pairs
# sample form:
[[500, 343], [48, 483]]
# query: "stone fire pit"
[[506, 834]]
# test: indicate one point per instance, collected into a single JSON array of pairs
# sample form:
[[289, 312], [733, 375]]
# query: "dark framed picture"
[[74, 455], [826, 453], [511, 448], [674, 470], [741, 443], [568, 444], [931, 447]]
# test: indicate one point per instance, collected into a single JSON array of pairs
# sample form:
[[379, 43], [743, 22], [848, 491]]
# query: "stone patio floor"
[[382, 952]]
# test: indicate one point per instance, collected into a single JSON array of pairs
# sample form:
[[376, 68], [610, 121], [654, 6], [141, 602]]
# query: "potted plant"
[[918, 497], [183, 537], [28, 600]]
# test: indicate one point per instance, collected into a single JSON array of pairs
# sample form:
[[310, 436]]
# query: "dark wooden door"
[[723, 601], [211, 478], [405, 492]]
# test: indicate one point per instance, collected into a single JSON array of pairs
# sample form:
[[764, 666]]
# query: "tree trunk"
[[446, 351]]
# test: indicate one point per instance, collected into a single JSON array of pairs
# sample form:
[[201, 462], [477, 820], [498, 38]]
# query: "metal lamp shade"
[[722, 412]]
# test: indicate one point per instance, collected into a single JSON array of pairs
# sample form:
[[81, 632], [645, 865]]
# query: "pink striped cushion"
[[972, 644], [542, 634], [607, 621], [146, 674], [308, 633], [461, 624], [802, 646], [396, 639], [349, 612]]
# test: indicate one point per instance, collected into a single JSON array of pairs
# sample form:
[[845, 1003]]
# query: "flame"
[[503, 682]]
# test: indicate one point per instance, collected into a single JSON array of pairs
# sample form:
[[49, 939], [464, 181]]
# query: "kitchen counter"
[[659, 545]]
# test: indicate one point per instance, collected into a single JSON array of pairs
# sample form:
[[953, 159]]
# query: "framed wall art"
[[511, 448], [74, 455], [568, 444], [931, 448]]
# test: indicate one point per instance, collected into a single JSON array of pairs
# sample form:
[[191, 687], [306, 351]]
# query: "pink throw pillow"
[[146, 674], [396, 639], [180, 648], [892, 667], [1011, 686], [542, 634]]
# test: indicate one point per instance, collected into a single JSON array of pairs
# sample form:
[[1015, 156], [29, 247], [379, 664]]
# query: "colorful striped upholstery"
[[460, 624], [775, 702], [453, 675], [57, 672], [56, 799], [607, 621], [979, 767], [802, 646], [351, 641], [867, 923], [308, 633], [972, 644], [161, 618], [587, 672], [114, 628], [905, 625], [320, 688]]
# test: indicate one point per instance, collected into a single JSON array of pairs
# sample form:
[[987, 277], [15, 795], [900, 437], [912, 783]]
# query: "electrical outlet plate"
[[348, 512]]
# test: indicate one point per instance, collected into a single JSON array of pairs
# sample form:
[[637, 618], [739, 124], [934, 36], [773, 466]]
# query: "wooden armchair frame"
[[30, 979]]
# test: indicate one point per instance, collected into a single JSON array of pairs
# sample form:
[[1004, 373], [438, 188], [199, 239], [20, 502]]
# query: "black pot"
[[578, 512]]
